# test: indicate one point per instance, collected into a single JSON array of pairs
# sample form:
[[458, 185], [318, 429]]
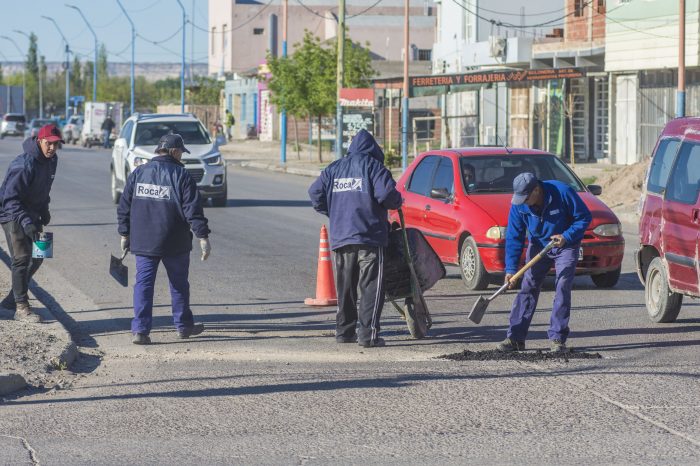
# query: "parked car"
[[465, 220], [12, 124], [35, 125], [668, 258], [138, 139], [72, 129]]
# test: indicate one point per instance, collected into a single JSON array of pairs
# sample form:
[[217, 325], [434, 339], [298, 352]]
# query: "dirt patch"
[[623, 186], [527, 356]]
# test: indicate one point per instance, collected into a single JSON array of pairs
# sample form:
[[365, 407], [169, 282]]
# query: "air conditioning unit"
[[497, 46]]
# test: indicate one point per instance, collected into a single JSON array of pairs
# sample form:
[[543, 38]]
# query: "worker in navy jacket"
[[24, 211], [543, 211], [158, 210], [355, 193]]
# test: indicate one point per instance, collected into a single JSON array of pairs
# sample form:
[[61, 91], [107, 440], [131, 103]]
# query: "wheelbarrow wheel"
[[416, 318]]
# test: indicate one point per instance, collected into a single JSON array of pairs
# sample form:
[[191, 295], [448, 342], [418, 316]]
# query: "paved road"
[[267, 383]]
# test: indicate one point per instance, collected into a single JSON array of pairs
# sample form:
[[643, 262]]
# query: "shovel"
[[119, 271], [479, 308]]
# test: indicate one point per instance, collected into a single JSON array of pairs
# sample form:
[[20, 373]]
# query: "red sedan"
[[460, 200]]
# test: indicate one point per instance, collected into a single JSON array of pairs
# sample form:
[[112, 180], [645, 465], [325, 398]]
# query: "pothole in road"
[[527, 356]]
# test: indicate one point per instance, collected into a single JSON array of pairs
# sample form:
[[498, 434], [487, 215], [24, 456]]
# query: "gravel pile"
[[527, 356]]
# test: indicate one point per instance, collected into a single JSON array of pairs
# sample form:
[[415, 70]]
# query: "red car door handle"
[[427, 207], [696, 215]]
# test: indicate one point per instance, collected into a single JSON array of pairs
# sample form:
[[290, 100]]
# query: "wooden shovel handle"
[[532, 262]]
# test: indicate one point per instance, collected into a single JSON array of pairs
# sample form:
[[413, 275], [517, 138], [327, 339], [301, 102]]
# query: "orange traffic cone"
[[325, 286]]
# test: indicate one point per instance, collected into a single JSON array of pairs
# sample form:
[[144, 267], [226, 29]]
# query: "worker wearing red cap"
[[24, 211]]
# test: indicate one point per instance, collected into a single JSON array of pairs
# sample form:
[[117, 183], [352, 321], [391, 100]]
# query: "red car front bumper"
[[598, 257]]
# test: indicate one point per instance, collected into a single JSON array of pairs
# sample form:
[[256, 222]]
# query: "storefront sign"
[[488, 77], [356, 97], [353, 122]]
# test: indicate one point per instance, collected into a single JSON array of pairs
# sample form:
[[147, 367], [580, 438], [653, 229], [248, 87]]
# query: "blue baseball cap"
[[523, 184], [171, 141]]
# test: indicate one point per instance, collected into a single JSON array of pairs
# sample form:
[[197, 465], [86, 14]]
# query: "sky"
[[155, 20]]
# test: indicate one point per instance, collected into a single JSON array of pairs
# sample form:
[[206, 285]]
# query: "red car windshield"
[[495, 173]]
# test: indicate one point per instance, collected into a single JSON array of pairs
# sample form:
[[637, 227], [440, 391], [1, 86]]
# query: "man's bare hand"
[[559, 240], [509, 276]]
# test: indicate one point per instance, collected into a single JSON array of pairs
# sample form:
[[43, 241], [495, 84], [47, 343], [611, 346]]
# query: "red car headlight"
[[608, 229]]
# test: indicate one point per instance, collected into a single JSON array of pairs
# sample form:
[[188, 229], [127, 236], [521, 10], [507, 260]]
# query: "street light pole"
[[40, 73], [67, 64], [24, 76], [283, 116], [182, 71], [133, 44], [94, 66], [680, 93], [7, 86], [340, 79], [404, 101]]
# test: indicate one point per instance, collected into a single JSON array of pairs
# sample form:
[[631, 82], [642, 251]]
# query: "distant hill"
[[151, 71]]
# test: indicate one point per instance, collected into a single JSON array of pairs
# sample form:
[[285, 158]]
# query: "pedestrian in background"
[[107, 127], [544, 211], [355, 193], [157, 212], [230, 121], [24, 211]]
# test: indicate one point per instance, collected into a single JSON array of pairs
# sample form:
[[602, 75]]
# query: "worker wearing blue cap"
[[544, 211]]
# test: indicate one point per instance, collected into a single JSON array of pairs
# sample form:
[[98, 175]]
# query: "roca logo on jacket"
[[152, 191], [347, 184]]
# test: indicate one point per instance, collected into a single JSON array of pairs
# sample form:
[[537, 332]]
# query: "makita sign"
[[152, 191]]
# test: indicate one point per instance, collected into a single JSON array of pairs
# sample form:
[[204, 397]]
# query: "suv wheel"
[[115, 194], [607, 279], [471, 268], [662, 304]]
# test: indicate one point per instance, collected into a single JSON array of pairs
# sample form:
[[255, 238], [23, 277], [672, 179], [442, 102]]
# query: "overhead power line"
[[196, 26]]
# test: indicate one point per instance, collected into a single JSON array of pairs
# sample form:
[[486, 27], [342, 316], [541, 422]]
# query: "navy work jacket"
[[159, 207], [24, 194], [355, 193]]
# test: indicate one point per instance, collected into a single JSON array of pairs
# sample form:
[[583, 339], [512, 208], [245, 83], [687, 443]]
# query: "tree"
[[305, 84], [102, 72], [76, 78], [2, 77]]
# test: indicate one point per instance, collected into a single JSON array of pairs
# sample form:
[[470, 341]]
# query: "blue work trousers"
[[177, 268], [564, 260]]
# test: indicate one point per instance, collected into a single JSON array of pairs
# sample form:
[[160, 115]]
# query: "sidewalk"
[[266, 156]]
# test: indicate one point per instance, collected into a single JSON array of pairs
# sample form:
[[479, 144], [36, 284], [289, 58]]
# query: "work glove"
[[206, 247], [31, 231], [125, 243], [46, 218]]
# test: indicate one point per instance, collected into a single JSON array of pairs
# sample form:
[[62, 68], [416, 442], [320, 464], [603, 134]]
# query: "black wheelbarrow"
[[411, 267]]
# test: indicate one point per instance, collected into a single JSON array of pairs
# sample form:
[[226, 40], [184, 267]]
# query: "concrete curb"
[[280, 169], [11, 382]]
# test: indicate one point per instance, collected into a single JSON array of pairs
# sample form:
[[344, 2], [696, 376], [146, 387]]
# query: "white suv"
[[138, 139]]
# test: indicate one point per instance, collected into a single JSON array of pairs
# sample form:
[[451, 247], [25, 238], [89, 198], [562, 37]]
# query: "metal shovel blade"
[[478, 310], [118, 270]]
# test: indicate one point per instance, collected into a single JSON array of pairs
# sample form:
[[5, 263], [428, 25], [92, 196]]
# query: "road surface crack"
[[32, 453]]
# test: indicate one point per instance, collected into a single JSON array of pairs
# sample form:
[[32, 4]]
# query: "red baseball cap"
[[50, 133]]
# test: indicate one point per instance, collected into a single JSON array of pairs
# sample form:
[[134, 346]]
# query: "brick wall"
[[577, 20]]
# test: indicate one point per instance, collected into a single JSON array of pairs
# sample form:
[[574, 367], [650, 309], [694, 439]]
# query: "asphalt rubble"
[[39, 356]]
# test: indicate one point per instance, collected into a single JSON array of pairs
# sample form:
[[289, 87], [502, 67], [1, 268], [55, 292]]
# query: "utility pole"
[[133, 54], [404, 100], [94, 67], [7, 86], [680, 94], [182, 70], [192, 46], [40, 73], [283, 116], [340, 79], [67, 65], [24, 77]]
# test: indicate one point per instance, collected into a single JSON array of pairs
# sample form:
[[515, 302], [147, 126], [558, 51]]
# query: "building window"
[[601, 7], [213, 40], [425, 54], [258, 31], [578, 7]]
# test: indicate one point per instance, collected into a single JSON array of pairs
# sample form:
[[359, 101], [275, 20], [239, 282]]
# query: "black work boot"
[[24, 313], [141, 339], [509, 345], [187, 332], [9, 302]]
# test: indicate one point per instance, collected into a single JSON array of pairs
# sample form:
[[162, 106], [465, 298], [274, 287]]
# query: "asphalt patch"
[[527, 356]]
